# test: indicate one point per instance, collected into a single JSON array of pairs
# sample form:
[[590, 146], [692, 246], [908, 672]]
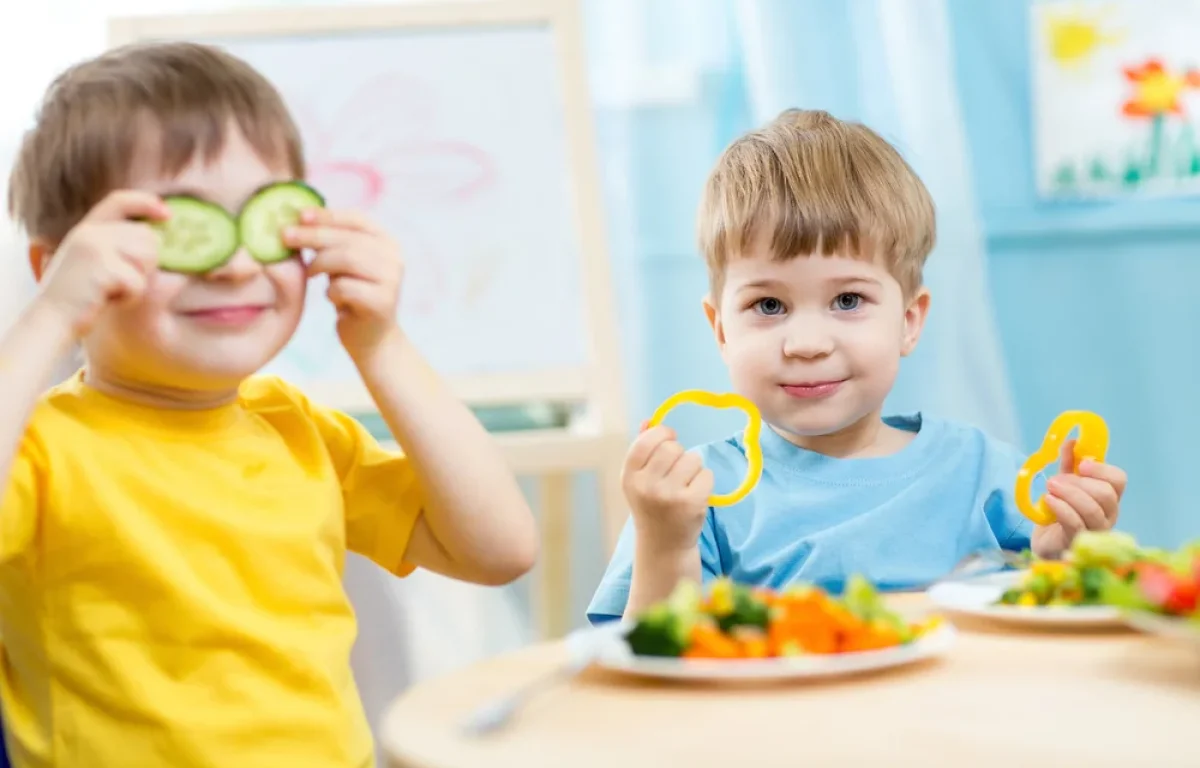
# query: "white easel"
[[597, 440]]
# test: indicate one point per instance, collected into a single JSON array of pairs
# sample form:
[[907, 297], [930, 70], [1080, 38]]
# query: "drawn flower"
[[385, 151], [1156, 89]]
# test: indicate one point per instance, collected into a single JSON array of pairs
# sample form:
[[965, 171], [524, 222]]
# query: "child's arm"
[[104, 259], [476, 524], [29, 353]]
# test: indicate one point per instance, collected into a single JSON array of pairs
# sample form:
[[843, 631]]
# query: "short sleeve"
[[379, 486], [608, 602], [22, 500], [1013, 531]]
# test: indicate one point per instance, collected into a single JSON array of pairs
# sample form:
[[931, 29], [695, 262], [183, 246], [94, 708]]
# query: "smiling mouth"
[[813, 389], [228, 316]]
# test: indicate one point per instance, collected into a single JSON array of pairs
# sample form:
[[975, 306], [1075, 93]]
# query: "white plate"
[[1164, 626], [977, 597], [614, 654]]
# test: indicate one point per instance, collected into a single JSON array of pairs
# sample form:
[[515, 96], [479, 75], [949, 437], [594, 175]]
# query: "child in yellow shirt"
[[174, 524]]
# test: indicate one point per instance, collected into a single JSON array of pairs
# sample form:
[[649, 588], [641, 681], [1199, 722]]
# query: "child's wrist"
[[52, 325], [385, 353], [665, 550]]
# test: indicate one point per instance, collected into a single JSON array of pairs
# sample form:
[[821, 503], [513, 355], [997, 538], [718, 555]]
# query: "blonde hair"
[[96, 117], [814, 184]]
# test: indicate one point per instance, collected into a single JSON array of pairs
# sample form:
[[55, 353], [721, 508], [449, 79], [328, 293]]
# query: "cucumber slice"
[[198, 237], [268, 212]]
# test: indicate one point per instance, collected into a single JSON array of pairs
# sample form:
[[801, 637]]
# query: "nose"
[[807, 339], [240, 268]]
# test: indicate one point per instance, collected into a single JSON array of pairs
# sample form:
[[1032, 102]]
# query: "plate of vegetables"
[[733, 632], [1076, 591]]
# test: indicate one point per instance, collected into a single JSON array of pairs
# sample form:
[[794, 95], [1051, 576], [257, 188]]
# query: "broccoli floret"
[[658, 632], [862, 599], [1094, 583], [745, 611], [663, 629]]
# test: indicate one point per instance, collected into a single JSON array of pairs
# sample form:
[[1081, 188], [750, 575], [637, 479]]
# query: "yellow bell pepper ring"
[[1092, 443], [754, 458]]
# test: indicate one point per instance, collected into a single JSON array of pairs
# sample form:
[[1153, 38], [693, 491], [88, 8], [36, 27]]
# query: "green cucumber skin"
[[252, 236], [179, 206]]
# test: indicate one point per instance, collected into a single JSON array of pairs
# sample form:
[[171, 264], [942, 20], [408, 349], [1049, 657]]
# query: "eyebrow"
[[755, 285], [856, 280]]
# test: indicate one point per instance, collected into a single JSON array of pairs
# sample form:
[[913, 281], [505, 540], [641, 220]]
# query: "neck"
[[154, 395], [866, 438]]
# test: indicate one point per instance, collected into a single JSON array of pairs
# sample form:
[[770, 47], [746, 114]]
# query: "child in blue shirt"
[[815, 232]]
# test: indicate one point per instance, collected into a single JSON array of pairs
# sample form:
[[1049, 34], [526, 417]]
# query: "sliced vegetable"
[[271, 210], [198, 237]]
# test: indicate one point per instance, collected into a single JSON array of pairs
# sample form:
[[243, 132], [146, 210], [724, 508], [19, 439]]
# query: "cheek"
[[877, 347], [751, 352], [154, 307], [291, 284]]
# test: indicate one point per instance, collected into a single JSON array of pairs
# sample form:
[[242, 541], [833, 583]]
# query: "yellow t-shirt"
[[171, 582]]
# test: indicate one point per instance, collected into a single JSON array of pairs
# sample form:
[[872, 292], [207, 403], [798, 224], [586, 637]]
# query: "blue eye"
[[847, 302], [769, 306]]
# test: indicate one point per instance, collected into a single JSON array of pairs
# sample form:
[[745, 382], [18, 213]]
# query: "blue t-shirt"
[[902, 520]]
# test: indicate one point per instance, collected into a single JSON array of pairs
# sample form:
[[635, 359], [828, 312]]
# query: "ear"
[[914, 321], [39, 256], [714, 320]]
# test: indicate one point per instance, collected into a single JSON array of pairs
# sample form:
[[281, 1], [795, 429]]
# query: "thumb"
[[1066, 457]]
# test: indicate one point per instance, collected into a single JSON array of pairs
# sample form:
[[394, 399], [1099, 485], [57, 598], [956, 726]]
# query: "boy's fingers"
[[318, 238], [664, 458], [1066, 457], [645, 444], [129, 204], [1114, 476], [1069, 490], [328, 217], [1067, 517]]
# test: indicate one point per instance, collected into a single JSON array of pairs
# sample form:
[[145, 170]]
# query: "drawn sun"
[[1074, 35]]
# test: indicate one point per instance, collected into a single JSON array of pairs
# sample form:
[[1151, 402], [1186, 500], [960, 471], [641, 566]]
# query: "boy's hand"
[[1083, 498], [364, 267], [107, 258], [667, 489]]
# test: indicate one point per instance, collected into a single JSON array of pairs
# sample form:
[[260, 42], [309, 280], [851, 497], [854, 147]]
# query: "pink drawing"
[[383, 145]]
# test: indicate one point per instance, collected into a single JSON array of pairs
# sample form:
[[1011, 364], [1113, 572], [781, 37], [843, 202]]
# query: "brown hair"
[[816, 184], [87, 133]]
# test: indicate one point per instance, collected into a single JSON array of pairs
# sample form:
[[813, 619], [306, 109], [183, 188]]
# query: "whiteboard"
[[452, 129]]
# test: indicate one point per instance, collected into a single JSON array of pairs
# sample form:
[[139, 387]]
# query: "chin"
[[807, 428], [220, 371], [814, 424]]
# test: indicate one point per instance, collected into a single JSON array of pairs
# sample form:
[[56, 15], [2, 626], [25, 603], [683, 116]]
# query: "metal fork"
[[497, 713], [582, 648], [971, 565]]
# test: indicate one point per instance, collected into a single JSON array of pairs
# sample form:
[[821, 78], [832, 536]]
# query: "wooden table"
[[1000, 698]]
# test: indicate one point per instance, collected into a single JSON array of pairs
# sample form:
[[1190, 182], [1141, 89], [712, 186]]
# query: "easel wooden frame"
[[599, 441]]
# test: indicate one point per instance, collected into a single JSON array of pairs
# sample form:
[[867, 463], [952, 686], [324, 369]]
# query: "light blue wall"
[[1097, 303]]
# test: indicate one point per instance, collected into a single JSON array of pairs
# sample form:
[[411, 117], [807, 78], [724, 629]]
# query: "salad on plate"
[[730, 632]]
